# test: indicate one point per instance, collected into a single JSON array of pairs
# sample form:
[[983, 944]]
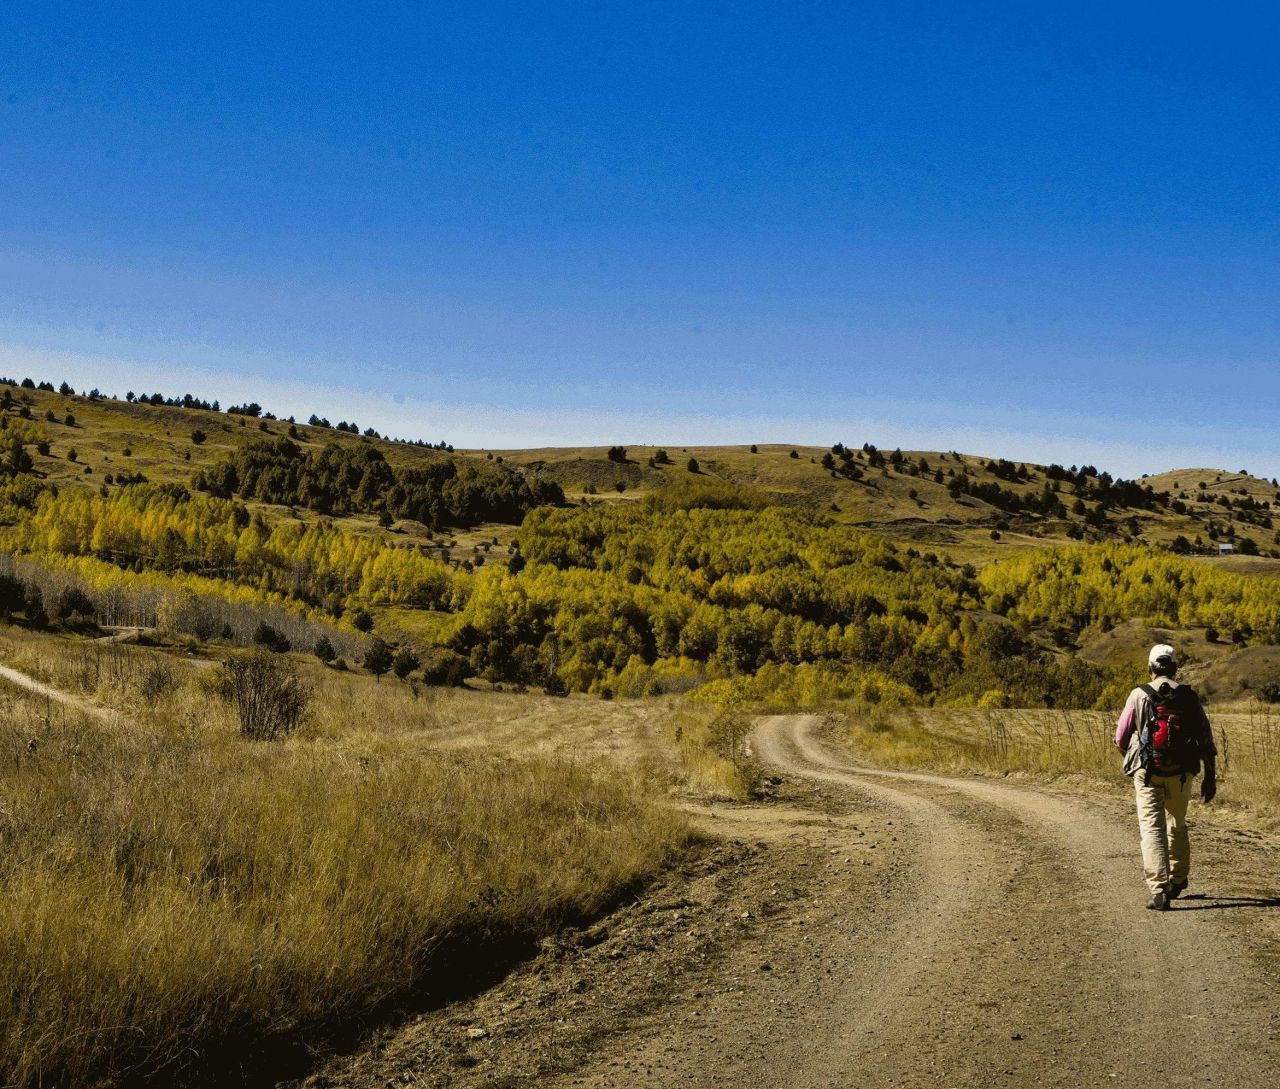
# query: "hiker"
[[1165, 736]]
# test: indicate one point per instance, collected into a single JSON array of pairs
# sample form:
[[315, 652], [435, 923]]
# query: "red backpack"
[[1170, 738]]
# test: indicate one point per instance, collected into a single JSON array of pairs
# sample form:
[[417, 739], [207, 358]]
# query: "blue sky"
[[1045, 234]]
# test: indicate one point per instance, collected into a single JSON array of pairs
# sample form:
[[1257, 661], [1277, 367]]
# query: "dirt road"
[[1020, 953], [889, 929]]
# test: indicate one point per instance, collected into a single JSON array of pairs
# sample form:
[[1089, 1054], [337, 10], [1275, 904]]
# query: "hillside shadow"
[[1203, 901]]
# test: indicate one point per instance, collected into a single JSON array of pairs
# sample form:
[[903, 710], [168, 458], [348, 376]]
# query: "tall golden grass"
[[1056, 743], [712, 746], [173, 895]]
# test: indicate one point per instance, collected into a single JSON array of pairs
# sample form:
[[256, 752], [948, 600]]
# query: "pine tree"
[[377, 659]]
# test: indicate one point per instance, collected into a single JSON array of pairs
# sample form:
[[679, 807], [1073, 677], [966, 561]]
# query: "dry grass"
[[712, 746], [174, 894], [1052, 744]]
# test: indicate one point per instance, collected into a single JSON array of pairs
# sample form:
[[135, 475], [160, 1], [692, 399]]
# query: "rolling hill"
[[906, 565], [909, 496]]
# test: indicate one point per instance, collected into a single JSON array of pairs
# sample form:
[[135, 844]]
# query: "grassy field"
[[1048, 744], [171, 887]]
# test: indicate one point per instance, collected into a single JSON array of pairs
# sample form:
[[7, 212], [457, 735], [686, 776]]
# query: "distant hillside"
[[945, 500], [972, 507], [792, 574]]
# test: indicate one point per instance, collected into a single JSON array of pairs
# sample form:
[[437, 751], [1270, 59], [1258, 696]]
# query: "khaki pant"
[[1162, 823]]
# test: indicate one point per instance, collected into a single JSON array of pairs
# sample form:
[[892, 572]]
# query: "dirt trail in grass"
[[23, 680], [876, 928]]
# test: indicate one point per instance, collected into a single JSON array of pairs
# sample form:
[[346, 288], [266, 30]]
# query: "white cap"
[[1162, 655]]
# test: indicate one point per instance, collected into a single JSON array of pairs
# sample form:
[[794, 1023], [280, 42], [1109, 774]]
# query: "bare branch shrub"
[[269, 697], [157, 679]]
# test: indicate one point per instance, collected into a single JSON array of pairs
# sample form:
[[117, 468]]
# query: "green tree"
[[378, 658], [404, 662], [264, 635], [12, 593], [33, 608]]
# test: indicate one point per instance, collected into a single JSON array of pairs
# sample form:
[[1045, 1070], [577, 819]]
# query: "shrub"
[[324, 649], [156, 680], [198, 436], [264, 635], [404, 662], [269, 697], [377, 659], [693, 466], [1211, 635], [446, 668], [618, 454], [362, 620]]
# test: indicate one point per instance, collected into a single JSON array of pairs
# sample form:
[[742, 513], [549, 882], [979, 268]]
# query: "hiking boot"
[[1159, 902], [1176, 889]]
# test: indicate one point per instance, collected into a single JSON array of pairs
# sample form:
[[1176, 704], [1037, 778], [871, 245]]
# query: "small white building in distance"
[[1225, 549]]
